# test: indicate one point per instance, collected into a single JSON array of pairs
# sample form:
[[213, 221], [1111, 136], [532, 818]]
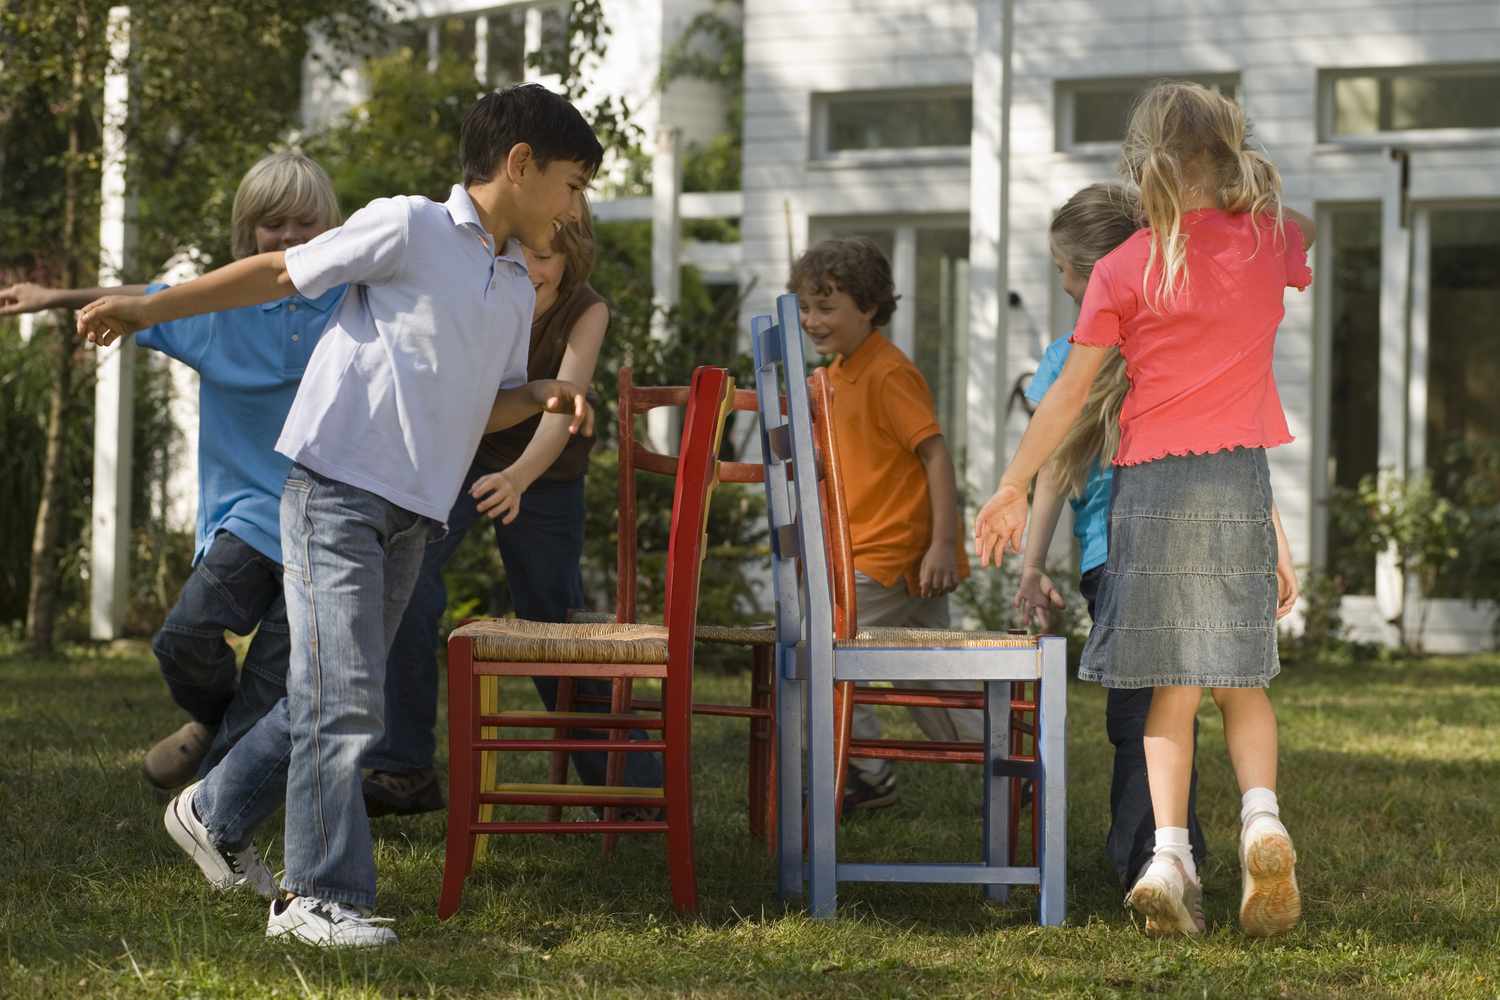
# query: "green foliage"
[[1323, 635], [712, 48], [25, 382], [1407, 515]]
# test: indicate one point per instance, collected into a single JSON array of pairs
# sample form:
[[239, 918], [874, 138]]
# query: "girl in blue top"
[[1091, 224], [249, 362]]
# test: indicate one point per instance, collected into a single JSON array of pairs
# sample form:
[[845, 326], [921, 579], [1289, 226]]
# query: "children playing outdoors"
[[249, 361], [419, 360], [1199, 568], [899, 484], [528, 480], [1089, 225]]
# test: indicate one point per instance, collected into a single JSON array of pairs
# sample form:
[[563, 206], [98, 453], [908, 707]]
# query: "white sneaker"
[[225, 869], [1171, 902], [1271, 903], [327, 924]]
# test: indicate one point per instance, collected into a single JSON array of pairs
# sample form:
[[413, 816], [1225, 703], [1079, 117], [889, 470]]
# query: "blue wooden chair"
[[810, 661]]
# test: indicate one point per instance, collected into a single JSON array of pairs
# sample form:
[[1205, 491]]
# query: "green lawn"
[[1390, 772]]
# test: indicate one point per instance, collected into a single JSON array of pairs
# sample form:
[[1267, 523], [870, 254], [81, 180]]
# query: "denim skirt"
[[1188, 594]]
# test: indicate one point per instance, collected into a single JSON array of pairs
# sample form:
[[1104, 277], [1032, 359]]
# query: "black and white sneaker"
[[224, 868], [327, 924], [863, 795]]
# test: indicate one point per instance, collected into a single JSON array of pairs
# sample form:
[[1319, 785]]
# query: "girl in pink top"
[[1199, 568]]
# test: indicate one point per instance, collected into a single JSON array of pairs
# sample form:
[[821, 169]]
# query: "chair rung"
[[627, 746], [729, 711], [1017, 767], [560, 720], [572, 795], [962, 746], [583, 826], [606, 671], [918, 698], [938, 874], [918, 756]]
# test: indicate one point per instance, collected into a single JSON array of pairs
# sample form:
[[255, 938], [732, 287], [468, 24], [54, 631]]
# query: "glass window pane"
[[1463, 356], [942, 322], [555, 37], [899, 121], [1416, 99], [1353, 411], [506, 62], [1101, 111]]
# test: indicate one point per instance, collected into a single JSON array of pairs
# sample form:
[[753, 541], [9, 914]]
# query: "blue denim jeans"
[[541, 550], [351, 560], [1132, 823], [236, 588]]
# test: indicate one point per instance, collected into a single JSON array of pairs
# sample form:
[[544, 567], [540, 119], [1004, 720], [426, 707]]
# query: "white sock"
[[1173, 841], [1257, 806]]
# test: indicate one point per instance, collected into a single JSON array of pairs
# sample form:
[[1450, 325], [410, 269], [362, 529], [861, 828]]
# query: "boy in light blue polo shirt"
[[249, 362], [426, 353]]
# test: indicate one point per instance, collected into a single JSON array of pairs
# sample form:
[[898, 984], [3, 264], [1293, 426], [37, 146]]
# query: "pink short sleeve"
[[1102, 312], [1298, 274]]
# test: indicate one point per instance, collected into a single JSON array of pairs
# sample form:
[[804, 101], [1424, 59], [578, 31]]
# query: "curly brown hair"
[[853, 265]]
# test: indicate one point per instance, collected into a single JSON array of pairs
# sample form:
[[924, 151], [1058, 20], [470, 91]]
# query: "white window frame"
[[820, 155], [1065, 94], [433, 22], [1444, 137]]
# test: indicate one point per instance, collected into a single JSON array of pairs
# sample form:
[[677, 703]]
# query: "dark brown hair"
[[853, 265]]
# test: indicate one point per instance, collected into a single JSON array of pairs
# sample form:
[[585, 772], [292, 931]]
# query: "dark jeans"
[[236, 588], [541, 550], [1132, 825]]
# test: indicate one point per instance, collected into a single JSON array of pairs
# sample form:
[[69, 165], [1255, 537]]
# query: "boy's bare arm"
[[28, 297], [247, 282], [939, 570], [542, 396]]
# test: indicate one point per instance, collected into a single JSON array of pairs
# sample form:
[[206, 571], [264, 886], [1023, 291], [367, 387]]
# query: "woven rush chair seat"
[[512, 640], [887, 637], [727, 635]]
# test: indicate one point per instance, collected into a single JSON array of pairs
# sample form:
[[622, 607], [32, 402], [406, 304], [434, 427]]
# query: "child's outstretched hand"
[[1286, 584], [938, 574], [498, 497], [25, 297], [103, 321], [556, 396], [1000, 525], [1036, 597]]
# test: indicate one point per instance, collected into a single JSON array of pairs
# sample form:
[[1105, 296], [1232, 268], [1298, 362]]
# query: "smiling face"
[[1073, 283], [547, 198], [546, 271], [834, 322], [286, 229]]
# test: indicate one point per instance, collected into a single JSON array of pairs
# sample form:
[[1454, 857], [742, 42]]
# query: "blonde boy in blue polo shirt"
[[249, 362], [425, 354]]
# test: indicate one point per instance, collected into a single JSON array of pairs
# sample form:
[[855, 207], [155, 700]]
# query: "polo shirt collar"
[[852, 367], [461, 210]]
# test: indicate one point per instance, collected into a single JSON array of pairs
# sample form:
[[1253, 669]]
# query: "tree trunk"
[[41, 604]]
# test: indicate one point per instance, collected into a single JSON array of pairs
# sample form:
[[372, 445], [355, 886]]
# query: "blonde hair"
[[1089, 225], [280, 184], [1183, 135], [574, 239]]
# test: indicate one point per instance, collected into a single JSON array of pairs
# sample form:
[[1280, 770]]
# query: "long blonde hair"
[[1089, 225], [1183, 135]]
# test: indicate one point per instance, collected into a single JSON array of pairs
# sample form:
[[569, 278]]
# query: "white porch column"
[[666, 269], [1395, 274], [989, 220], [109, 557]]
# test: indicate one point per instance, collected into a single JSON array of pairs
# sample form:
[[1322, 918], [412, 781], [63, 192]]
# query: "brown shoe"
[[402, 793], [174, 761]]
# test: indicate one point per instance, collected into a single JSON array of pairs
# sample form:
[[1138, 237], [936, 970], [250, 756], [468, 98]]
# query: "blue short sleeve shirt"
[[399, 390], [1091, 510], [249, 362]]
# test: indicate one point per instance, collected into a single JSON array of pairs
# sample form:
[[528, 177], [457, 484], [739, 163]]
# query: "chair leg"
[[678, 785], [462, 800], [999, 840], [769, 793], [759, 746], [557, 767], [489, 763], [1051, 797], [614, 763], [789, 738], [843, 732]]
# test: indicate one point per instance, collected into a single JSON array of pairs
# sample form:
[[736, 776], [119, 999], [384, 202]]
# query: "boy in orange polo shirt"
[[898, 478]]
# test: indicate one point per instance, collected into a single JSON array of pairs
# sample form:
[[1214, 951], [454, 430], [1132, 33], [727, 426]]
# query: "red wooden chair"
[[638, 456], [508, 647]]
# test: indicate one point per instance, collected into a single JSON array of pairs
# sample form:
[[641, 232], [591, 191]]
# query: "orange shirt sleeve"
[[906, 409]]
